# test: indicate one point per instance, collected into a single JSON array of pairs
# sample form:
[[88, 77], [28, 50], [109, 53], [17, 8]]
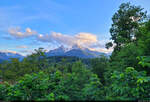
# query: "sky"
[[26, 25]]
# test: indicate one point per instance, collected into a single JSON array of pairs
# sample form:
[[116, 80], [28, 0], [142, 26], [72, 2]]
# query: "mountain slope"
[[76, 51], [57, 52], [8, 55]]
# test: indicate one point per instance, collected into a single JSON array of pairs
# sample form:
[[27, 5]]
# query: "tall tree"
[[144, 38], [125, 23], [38, 58]]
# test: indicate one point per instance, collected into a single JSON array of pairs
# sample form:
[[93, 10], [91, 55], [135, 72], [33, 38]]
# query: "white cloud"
[[102, 49], [57, 38], [22, 46], [86, 39], [5, 51], [26, 51], [16, 32], [82, 39]]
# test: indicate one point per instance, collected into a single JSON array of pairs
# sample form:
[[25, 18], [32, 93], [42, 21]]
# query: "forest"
[[124, 75]]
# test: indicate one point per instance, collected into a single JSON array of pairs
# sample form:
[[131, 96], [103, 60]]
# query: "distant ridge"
[[76, 51], [8, 55]]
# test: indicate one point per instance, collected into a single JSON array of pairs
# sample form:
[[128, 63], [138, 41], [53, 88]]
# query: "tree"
[[127, 56], [129, 85], [99, 66], [144, 38], [125, 23], [79, 84], [38, 58]]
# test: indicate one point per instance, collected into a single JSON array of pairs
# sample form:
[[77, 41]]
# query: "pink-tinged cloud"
[[82, 39], [16, 32], [22, 46]]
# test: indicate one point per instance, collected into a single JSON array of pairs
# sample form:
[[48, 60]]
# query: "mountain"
[[57, 52], [76, 51], [8, 55]]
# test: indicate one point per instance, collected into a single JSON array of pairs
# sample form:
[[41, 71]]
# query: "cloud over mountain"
[[5, 51], [87, 40], [82, 39]]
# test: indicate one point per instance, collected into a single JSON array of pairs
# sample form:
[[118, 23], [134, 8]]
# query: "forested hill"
[[125, 76], [67, 59]]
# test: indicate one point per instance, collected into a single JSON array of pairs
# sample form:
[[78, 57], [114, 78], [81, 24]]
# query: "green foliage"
[[143, 37], [15, 69], [3, 90], [93, 90], [56, 86], [75, 84], [30, 87], [99, 66], [129, 84], [144, 61], [127, 56]]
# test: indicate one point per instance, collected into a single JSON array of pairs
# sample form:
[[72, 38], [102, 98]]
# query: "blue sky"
[[56, 21]]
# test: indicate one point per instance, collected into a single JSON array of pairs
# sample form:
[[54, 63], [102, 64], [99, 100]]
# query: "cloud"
[[8, 51], [102, 49], [86, 39], [22, 46], [16, 32], [82, 39], [26, 51], [57, 38]]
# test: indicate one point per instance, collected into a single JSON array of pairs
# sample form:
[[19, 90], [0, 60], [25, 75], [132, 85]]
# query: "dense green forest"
[[125, 75]]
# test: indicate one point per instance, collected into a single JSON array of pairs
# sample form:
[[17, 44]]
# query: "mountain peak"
[[6, 55], [76, 50], [76, 46], [60, 50], [62, 47]]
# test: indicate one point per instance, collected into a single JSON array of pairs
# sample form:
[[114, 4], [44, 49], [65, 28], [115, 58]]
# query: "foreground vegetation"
[[123, 76]]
